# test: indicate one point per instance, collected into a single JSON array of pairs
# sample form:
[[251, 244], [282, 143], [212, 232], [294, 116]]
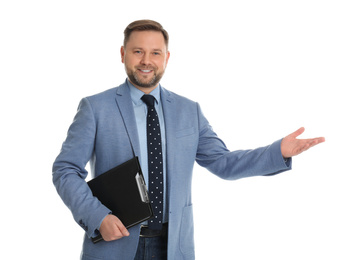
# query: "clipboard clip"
[[142, 188]]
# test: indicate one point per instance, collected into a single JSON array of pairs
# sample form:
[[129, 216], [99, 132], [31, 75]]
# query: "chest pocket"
[[185, 132]]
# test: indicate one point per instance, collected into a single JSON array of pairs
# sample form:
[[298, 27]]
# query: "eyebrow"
[[140, 48]]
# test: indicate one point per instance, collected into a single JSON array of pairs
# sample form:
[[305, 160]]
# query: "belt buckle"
[[141, 227], [150, 233]]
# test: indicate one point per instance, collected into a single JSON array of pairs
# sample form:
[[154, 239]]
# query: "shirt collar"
[[136, 94]]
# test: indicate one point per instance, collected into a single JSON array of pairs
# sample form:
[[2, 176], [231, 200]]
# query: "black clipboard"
[[123, 190]]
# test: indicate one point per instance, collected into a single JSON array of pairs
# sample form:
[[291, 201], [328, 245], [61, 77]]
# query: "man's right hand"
[[112, 228]]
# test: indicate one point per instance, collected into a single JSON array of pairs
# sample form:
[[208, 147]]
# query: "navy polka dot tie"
[[155, 162]]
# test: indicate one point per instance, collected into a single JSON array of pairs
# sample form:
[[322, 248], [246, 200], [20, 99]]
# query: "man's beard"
[[135, 79]]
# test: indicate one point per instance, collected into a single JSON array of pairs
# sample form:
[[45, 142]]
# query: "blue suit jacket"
[[98, 135]]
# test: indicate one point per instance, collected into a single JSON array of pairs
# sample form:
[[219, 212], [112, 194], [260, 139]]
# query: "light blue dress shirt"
[[140, 110]]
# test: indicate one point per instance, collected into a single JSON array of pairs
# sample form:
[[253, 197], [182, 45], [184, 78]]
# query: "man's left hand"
[[292, 146]]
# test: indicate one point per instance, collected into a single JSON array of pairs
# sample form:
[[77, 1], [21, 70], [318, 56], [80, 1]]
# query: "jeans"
[[152, 248]]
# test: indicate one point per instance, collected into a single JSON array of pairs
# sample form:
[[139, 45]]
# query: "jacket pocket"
[[186, 238], [185, 132]]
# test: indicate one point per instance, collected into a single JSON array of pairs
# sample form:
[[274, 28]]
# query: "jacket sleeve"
[[69, 171], [231, 165]]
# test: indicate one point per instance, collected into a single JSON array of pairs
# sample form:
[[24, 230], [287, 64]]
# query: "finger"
[[309, 143], [319, 140], [316, 141], [122, 228], [297, 133]]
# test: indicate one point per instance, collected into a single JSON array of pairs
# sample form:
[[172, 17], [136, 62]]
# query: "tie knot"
[[149, 100]]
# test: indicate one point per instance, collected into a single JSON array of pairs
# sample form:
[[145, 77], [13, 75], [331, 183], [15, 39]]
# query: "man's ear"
[[167, 58], [122, 51]]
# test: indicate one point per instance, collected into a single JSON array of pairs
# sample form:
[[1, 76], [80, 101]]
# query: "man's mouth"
[[146, 71]]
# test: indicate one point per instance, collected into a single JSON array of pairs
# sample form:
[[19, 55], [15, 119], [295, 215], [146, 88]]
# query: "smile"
[[145, 71]]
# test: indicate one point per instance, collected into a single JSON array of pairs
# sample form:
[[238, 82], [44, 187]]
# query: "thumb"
[[297, 133], [122, 228]]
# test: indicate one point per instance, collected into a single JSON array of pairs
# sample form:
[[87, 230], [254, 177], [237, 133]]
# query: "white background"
[[259, 69]]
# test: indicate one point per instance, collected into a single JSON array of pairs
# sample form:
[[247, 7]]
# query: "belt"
[[146, 232]]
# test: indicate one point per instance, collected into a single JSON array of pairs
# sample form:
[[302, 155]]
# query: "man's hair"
[[145, 25]]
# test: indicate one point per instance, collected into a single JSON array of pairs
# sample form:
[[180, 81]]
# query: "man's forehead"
[[142, 39]]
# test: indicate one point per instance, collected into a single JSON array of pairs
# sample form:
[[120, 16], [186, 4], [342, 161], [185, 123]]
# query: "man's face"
[[145, 57]]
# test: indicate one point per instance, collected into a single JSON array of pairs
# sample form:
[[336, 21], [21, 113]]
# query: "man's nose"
[[145, 59]]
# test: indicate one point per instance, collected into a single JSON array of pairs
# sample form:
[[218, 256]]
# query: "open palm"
[[292, 146]]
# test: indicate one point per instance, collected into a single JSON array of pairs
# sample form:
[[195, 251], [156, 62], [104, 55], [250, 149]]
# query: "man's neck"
[[147, 90]]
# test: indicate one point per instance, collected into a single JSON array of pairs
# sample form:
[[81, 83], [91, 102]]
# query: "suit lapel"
[[124, 103], [169, 111]]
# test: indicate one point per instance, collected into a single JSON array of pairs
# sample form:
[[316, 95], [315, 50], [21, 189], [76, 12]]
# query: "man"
[[108, 124]]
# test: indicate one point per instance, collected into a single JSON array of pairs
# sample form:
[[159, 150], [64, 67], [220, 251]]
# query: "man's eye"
[[138, 52], [156, 53]]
